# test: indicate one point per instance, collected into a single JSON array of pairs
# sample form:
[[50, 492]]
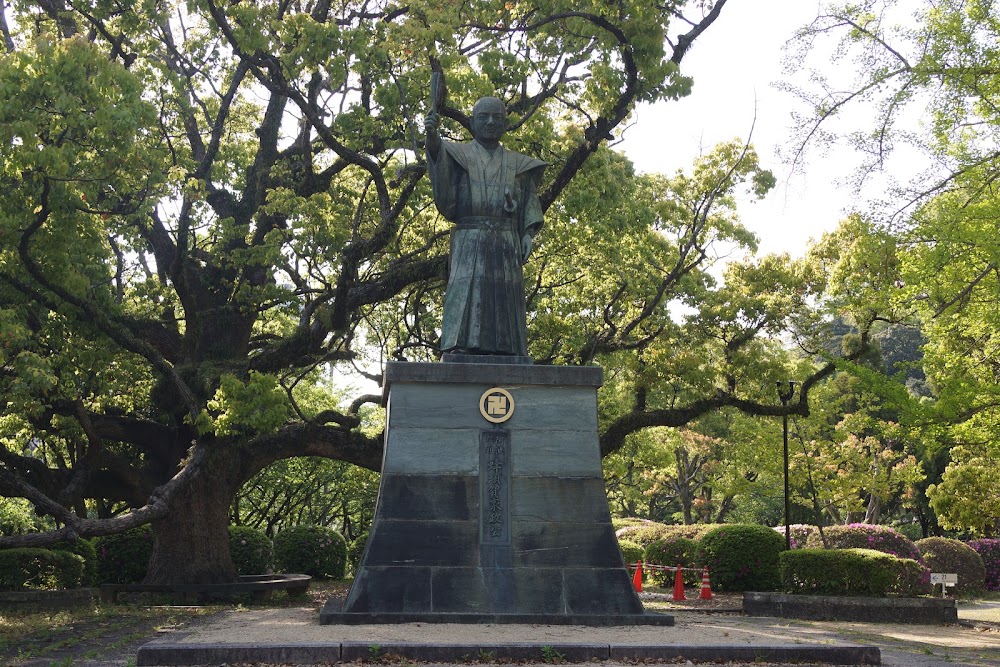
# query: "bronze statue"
[[490, 193]]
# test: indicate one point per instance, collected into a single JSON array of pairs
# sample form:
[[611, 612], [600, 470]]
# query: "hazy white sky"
[[734, 65]]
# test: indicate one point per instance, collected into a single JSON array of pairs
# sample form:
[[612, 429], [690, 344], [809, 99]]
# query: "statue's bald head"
[[489, 120], [493, 104]]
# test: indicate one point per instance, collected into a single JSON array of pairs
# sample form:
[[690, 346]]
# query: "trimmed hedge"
[[742, 557], [315, 550], [251, 550], [124, 558], [866, 536], [989, 551], [631, 552], [39, 569], [857, 572], [941, 554], [670, 552], [86, 550]]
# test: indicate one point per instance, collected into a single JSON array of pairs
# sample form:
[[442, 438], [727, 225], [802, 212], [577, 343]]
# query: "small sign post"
[[946, 580]]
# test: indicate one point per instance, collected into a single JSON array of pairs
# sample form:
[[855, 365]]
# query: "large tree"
[[940, 60], [205, 207]]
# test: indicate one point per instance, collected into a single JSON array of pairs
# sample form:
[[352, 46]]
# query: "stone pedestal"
[[491, 515]]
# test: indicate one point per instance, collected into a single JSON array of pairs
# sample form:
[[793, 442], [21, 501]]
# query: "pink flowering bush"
[[800, 533], [989, 551], [866, 536]]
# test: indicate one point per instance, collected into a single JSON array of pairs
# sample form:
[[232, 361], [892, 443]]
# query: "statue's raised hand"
[[432, 139]]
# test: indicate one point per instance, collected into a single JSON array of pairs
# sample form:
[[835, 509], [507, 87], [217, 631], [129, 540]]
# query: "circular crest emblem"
[[496, 405]]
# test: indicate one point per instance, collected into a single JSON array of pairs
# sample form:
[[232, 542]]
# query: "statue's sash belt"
[[485, 223]]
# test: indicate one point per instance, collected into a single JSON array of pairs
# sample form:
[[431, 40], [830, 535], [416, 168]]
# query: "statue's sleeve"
[[443, 172], [531, 210]]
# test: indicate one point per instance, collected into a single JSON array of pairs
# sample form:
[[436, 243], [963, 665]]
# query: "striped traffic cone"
[[706, 587], [679, 584], [637, 577]]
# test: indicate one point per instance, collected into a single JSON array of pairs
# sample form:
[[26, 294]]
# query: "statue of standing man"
[[490, 193]]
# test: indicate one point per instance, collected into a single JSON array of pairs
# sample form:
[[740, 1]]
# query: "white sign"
[[944, 579]]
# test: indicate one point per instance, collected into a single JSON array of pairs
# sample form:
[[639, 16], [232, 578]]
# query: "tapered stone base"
[[491, 521]]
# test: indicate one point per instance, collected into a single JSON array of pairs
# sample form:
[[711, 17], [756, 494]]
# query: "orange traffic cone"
[[637, 577], [679, 584], [706, 587]]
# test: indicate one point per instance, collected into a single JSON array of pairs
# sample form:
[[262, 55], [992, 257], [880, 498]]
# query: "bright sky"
[[734, 64]]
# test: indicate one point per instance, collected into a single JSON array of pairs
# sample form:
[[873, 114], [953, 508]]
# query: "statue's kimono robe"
[[493, 201]]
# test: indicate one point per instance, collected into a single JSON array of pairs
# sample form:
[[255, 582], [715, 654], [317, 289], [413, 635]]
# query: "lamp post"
[[785, 392]]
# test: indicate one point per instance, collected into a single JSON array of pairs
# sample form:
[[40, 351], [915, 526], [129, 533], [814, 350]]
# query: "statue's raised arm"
[[490, 194]]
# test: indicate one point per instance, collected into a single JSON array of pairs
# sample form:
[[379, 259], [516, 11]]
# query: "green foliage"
[[671, 552], [39, 568], [941, 554], [860, 572], [622, 522], [866, 536], [648, 532], [355, 550], [741, 557], [86, 550], [632, 552], [643, 533], [251, 550], [314, 550], [308, 490], [258, 406], [17, 516], [124, 558]]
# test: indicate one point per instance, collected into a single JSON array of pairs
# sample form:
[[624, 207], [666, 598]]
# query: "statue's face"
[[489, 119]]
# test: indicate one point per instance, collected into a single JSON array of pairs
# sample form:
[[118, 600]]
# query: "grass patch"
[[92, 630]]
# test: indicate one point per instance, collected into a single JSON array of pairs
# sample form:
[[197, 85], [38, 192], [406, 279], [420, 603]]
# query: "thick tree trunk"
[[191, 544]]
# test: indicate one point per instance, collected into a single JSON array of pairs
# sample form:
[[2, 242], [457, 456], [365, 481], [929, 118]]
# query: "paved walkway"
[[286, 629]]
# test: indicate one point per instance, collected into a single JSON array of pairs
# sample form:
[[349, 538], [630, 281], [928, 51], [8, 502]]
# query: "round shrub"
[[355, 550], [866, 536], [86, 550], [742, 557], [632, 552], [989, 551], [941, 554], [251, 550], [124, 558], [39, 569], [314, 550], [859, 572], [670, 552]]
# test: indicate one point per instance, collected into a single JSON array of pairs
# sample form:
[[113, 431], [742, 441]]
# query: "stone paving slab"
[[178, 654], [294, 636]]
